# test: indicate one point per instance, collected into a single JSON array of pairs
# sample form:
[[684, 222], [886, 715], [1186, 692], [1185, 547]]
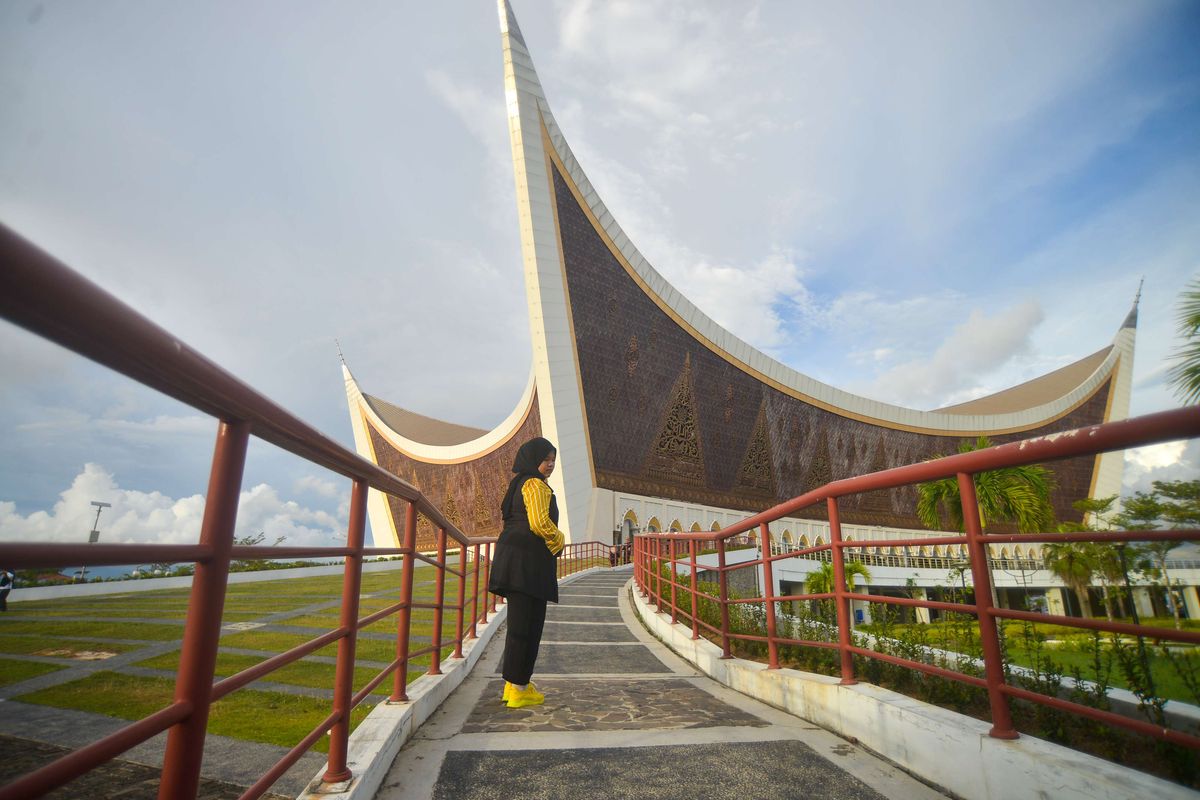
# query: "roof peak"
[[1131, 317]]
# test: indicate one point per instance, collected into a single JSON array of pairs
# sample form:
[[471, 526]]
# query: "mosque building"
[[663, 419]]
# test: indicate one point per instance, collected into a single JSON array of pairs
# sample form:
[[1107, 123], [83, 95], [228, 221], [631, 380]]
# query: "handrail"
[[660, 572], [47, 298]]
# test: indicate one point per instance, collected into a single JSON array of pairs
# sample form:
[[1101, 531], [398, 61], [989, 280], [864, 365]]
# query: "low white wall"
[[947, 749], [20, 594]]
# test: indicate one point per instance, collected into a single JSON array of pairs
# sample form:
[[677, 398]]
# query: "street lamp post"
[[94, 534]]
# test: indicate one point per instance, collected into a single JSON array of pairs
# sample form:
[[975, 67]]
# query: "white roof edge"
[[445, 453], [759, 362]]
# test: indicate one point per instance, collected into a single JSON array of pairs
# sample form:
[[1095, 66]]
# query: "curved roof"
[[420, 428], [1036, 392], [1020, 408]]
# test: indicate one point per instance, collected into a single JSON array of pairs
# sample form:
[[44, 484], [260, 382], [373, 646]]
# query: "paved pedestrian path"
[[625, 718]]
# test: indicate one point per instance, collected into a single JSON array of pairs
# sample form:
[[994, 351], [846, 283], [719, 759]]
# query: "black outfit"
[[524, 570]]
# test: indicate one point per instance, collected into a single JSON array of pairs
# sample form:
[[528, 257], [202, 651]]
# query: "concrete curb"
[[939, 746], [378, 738]]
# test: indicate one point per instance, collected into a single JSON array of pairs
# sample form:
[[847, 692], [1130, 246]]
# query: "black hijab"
[[525, 465]]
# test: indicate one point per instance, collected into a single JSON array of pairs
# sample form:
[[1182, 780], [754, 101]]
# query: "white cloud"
[[318, 486], [1168, 461], [137, 516], [974, 349]]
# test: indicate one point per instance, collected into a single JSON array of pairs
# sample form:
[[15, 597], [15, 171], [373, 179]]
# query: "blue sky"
[[923, 203]]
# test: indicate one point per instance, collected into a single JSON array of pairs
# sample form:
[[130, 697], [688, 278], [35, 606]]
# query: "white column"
[[1054, 602], [1191, 601], [1141, 601], [922, 613]]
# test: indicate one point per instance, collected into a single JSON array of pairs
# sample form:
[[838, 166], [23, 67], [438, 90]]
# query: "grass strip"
[[302, 673], [12, 671], [102, 630], [249, 714], [29, 645], [369, 649]]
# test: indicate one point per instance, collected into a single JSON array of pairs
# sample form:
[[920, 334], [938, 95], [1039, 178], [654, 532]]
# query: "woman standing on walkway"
[[524, 571]]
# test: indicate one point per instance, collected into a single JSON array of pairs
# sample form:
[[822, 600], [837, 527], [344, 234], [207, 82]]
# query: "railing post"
[[768, 597], [404, 617], [640, 566], [343, 681], [474, 590], [723, 595], [692, 547], [435, 658], [202, 631], [842, 604], [462, 600], [487, 576], [674, 580], [993, 661]]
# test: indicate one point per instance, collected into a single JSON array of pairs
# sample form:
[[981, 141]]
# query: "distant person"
[[6, 585], [524, 570], [612, 555]]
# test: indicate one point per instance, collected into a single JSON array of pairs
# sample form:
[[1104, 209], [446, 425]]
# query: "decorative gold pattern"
[[484, 514], [631, 356], [676, 450], [757, 475]]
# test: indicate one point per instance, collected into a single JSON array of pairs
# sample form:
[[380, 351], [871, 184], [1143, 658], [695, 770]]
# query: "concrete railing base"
[[942, 747]]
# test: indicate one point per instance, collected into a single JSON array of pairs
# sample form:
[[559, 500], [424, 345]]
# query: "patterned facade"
[[668, 417]]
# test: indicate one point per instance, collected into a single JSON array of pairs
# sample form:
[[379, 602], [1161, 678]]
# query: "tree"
[[1185, 374], [1073, 563], [1103, 559], [1176, 503], [1008, 494], [821, 581], [251, 541]]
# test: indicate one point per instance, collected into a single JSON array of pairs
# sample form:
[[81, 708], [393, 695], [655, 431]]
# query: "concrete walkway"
[[625, 718]]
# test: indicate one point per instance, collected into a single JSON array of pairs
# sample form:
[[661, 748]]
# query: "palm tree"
[[1008, 494], [1073, 563], [1103, 558], [1185, 375], [821, 581]]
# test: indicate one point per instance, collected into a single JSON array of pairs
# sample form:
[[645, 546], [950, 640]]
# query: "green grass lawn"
[[12, 671], [250, 714], [256, 716]]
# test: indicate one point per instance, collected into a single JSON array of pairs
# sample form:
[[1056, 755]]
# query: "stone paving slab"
[[582, 632], [116, 780], [579, 614], [590, 599], [738, 771], [605, 705], [614, 659]]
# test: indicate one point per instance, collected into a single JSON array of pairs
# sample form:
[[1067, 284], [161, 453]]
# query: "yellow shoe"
[[529, 696], [508, 690]]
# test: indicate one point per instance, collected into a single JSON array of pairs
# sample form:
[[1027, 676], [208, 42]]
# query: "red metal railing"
[[662, 571], [46, 297]]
